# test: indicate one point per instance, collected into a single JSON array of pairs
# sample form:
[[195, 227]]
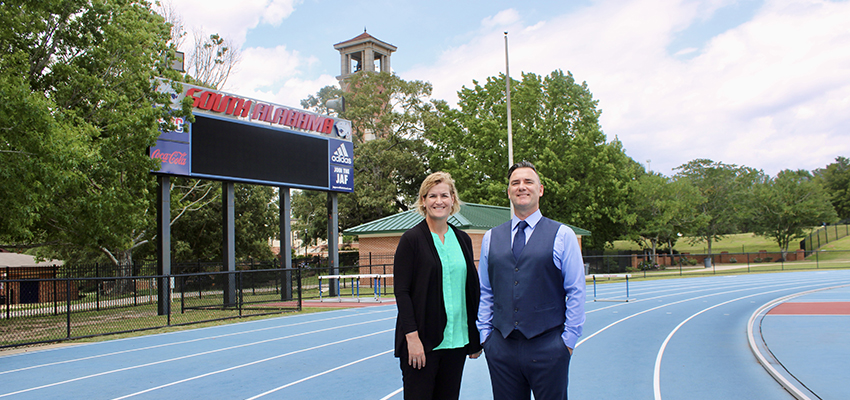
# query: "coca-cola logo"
[[174, 158]]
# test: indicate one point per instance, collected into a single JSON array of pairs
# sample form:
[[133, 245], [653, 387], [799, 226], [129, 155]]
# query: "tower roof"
[[363, 38]]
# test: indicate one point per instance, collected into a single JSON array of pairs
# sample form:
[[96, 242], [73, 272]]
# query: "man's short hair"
[[521, 164]]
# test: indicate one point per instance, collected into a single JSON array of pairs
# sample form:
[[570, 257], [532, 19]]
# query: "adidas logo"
[[341, 155]]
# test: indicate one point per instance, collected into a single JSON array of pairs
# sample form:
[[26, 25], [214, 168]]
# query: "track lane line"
[[185, 357], [262, 361], [656, 377], [184, 342]]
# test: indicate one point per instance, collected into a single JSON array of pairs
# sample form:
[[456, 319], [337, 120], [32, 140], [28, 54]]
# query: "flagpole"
[[510, 128], [508, 92]]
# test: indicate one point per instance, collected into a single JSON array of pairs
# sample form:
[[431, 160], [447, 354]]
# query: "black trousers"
[[519, 366], [438, 380]]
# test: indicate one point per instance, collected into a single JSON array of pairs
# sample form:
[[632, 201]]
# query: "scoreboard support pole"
[[333, 242], [228, 249], [285, 242], [163, 244]]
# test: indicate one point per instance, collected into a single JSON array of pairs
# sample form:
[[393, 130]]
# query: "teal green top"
[[456, 333]]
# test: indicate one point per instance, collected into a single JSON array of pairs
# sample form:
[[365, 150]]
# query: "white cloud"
[[232, 19], [772, 93], [274, 75], [767, 94]]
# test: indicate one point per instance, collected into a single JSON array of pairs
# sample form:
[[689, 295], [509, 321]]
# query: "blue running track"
[[675, 339]]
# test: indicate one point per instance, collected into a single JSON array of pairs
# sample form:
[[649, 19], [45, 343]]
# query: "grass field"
[[737, 243]]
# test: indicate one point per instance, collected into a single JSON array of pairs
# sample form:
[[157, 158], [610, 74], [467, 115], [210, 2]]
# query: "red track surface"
[[812, 308]]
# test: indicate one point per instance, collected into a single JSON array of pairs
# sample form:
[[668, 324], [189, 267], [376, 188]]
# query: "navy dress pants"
[[519, 366]]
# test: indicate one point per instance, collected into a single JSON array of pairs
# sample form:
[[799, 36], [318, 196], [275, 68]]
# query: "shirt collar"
[[532, 220]]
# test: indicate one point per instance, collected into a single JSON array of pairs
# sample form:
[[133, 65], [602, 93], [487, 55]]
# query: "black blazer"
[[418, 282]]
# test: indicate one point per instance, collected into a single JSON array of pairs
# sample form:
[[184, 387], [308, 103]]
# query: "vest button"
[[516, 269], [516, 309], [516, 283], [516, 323]]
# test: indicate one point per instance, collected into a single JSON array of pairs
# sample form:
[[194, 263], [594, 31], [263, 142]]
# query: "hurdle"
[[609, 276], [355, 284]]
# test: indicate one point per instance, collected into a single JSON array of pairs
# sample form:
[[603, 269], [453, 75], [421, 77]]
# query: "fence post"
[[298, 274], [167, 285], [97, 286], [68, 307]]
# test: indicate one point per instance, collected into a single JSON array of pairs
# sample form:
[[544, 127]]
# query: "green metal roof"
[[470, 216]]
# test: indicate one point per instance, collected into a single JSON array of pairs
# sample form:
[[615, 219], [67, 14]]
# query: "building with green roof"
[[380, 237]]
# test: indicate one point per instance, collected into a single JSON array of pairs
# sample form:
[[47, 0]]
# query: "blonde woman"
[[437, 294]]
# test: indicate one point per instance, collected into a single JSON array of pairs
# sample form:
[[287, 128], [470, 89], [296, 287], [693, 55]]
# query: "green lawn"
[[738, 243]]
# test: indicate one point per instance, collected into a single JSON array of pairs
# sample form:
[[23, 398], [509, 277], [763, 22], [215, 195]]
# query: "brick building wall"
[[383, 248]]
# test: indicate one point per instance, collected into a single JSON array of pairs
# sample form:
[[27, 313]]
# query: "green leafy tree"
[[196, 223], [556, 127], [389, 116], [660, 209], [79, 94], [836, 180], [724, 188], [784, 207]]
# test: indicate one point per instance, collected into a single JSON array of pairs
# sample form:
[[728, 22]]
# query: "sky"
[[757, 83]]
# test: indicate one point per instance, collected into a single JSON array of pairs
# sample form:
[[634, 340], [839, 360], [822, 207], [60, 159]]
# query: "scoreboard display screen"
[[223, 148]]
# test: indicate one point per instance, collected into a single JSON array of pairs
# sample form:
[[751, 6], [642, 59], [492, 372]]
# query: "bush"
[[733, 260]]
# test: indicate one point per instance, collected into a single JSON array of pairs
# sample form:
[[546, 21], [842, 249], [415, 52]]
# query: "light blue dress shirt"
[[566, 256]]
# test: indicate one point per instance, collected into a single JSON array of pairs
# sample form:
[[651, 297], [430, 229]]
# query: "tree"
[[784, 206], [389, 167], [723, 188], [556, 127], [836, 180], [83, 75], [212, 59], [660, 209]]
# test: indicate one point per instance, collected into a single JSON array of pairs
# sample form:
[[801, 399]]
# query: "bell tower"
[[363, 53]]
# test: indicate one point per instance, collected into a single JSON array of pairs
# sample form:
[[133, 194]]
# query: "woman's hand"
[[476, 355], [415, 350]]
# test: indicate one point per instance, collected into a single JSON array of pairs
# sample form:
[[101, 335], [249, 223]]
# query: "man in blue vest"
[[532, 296]]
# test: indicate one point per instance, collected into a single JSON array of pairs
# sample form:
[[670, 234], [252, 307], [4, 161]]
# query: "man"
[[532, 296]]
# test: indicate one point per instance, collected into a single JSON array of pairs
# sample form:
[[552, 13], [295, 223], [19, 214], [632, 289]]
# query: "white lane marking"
[[185, 357], [254, 363], [387, 397], [790, 387], [674, 303], [656, 377], [185, 341], [321, 373]]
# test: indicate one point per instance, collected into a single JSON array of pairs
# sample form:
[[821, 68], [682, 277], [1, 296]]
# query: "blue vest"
[[528, 294]]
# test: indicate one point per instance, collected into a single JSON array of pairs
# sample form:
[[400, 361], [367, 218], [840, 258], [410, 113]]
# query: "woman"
[[436, 291]]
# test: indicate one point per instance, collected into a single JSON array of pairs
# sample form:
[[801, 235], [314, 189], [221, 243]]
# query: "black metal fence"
[[71, 308], [824, 235], [68, 302], [710, 264]]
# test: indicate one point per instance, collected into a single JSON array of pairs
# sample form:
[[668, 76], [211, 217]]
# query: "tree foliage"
[[556, 127], [388, 167], [784, 207], [661, 209], [723, 188], [835, 178], [78, 115]]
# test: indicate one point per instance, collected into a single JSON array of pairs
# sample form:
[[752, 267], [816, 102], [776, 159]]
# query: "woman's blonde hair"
[[433, 180]]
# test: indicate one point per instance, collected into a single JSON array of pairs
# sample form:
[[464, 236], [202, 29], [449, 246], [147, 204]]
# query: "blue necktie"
[[519, 239]]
